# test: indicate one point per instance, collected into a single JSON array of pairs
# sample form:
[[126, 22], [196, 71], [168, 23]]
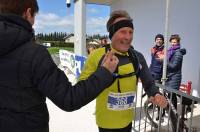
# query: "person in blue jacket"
[[174, 65], [29, 75]]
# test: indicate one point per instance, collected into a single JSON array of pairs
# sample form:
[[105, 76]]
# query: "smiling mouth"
[[125, 42]]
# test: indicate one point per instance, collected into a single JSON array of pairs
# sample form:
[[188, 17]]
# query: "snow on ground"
[[81, 120]]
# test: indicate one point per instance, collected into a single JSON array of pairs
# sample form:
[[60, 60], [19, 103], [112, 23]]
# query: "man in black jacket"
[[28, 74]]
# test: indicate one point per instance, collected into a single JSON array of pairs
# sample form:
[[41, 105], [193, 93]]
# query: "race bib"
[[121, 101]]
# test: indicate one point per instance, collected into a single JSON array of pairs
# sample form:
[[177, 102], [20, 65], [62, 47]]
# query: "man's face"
[[159, 41], [122, 39]]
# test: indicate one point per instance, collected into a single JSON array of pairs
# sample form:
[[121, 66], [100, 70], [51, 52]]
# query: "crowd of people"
[[174, 64], [111, 73]]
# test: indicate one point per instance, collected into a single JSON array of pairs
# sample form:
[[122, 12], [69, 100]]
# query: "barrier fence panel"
[[151, 118]]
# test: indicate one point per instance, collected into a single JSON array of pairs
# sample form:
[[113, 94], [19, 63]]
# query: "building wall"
[[70, 40], [149, 19]]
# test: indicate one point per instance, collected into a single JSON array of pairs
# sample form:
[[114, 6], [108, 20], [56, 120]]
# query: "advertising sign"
[[74, 62]]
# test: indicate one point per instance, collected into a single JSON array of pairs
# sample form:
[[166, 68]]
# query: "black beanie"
[[159, 36]]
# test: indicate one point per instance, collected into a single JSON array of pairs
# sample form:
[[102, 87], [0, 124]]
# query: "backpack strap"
[[107, 47], [134, 60]]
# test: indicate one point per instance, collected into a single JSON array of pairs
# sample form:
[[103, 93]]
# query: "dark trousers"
[[174, 99], [125, 129]]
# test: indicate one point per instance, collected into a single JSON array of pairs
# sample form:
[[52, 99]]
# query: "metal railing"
[[180, 120]]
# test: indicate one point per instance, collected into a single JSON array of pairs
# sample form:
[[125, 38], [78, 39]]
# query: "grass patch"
[[55, 50]]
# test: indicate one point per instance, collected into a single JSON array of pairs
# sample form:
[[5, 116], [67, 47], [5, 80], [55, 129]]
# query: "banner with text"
[[74, 62]]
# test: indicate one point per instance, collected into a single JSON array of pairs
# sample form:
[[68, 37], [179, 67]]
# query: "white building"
[[149, 19], [94, 41], [69, 38]]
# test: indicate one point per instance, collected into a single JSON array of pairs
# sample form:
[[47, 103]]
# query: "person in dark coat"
[[156, 65], [29, 75], [174, 65]]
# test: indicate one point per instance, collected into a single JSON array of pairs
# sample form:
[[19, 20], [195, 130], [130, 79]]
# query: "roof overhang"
[[101, 2]]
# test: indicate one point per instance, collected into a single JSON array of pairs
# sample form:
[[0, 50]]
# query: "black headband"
[[116, 26]]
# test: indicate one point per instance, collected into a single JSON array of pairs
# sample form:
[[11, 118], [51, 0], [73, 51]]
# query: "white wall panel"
[[149, 19]]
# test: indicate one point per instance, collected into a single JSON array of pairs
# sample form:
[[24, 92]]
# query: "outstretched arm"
[[149, 84], [53, 83]]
